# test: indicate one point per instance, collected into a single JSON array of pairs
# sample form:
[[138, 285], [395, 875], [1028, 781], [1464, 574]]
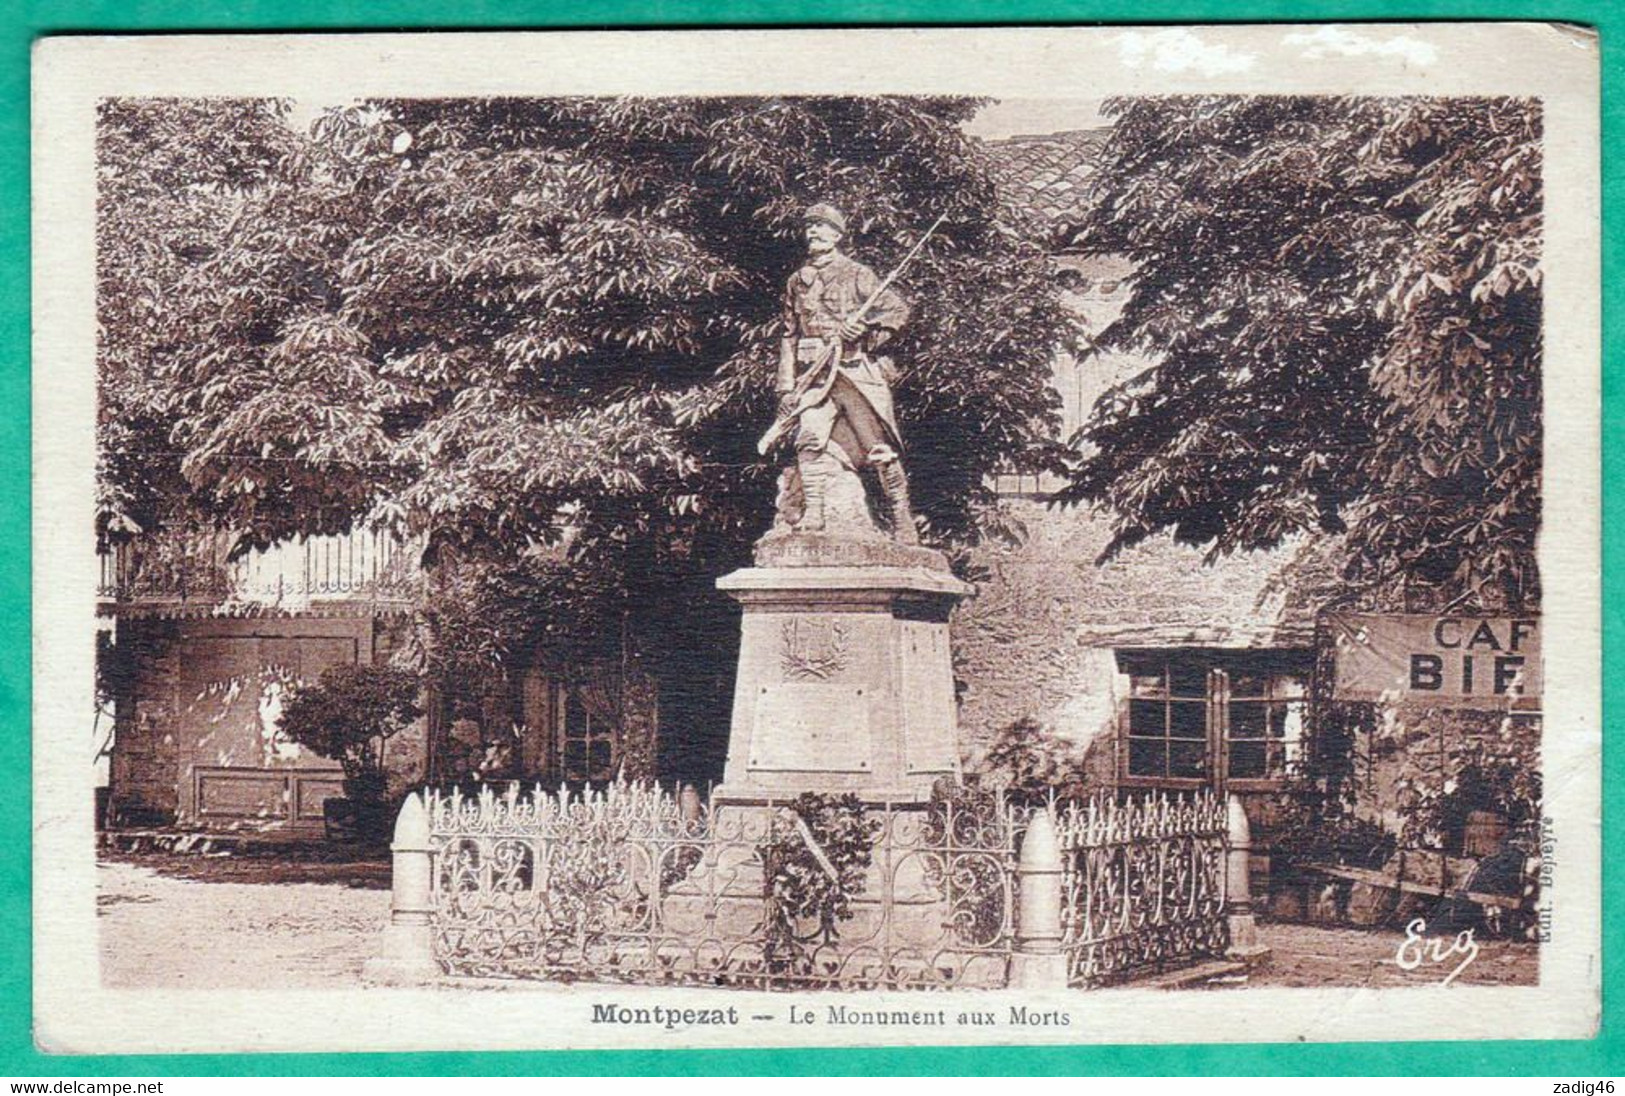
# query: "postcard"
[[816, 537]]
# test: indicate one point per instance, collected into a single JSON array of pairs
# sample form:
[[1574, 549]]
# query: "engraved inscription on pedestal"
[[811, 727], [814, 650]]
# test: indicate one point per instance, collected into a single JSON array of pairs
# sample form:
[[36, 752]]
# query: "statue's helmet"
[[828, 214]]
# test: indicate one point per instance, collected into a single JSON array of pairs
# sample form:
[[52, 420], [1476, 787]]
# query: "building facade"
[[197, 653], [1162, 669]]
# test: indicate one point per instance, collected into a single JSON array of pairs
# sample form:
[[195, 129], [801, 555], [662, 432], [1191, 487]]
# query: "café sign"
[[1445, 660]]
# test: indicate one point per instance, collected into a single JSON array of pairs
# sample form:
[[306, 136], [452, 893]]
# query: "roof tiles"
[[1046, 176]]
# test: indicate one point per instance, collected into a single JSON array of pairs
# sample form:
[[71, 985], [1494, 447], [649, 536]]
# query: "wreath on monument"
[[815, 863]]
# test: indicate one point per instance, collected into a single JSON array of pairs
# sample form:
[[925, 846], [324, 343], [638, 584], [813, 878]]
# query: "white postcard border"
[[1558, 64]]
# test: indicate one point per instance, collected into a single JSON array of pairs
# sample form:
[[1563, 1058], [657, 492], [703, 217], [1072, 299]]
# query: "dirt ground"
[[1314, 955], [172, 929], [194, 922]]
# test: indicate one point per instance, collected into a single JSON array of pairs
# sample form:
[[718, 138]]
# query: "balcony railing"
[[191, 572]]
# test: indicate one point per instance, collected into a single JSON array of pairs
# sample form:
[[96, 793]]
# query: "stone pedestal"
[[899, 925], [724, 893], [845, 678]]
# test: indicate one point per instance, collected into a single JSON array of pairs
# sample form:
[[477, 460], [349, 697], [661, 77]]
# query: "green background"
[[22, 23]]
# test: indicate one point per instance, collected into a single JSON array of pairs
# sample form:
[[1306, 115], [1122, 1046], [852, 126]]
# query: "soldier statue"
[[833, 385]]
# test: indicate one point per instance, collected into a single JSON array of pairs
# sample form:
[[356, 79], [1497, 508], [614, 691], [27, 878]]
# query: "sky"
[[1217, 60], [1019, 117]]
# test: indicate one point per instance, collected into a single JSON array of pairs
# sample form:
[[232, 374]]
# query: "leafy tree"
[[1342, 297], [348, 715], [171, 179], [466, 318], [1029, 762], [538, 337]]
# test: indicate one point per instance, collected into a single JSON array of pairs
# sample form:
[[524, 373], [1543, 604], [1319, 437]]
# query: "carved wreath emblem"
[[813, 650]]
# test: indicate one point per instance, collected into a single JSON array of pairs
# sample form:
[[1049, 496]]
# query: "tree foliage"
[[469, 317], [1028, 762], [1342, 298], [348, 715], [540, 334], [171, 179], [1454, 763]]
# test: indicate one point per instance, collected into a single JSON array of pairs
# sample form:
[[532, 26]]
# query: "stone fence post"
[[1039, 962], [688, 804], [1238, 897], [406, 952]]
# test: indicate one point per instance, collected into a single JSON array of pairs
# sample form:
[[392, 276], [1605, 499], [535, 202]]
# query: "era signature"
[[1419, 948]]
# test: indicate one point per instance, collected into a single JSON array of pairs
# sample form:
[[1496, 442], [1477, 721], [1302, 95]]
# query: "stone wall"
[[1038, 640], [145, 765], [1039, 637]]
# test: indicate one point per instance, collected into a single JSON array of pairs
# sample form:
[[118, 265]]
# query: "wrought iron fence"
[[187, 568], [1143, 884], [632, 884]]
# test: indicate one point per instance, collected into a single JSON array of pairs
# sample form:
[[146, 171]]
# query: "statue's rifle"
[[831, 356]]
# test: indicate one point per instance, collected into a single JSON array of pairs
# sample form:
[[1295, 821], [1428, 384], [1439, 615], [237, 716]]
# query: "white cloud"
[[1333, 41], [1178, 50]]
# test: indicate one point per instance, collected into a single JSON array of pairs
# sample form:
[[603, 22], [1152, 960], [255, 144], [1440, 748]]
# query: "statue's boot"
[[814, 486], [895, 484]]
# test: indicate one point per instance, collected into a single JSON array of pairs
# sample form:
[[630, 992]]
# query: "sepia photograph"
[[764, 565]]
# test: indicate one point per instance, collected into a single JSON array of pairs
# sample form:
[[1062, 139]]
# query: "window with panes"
[[1213, 717], [587, 739]]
